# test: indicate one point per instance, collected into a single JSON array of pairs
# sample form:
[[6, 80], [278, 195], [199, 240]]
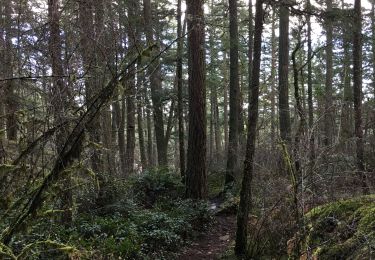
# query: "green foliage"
[[156, 185], [127, 228], [343, 229]]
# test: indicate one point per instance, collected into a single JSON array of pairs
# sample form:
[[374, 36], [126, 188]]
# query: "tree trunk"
[[328, 116], [150, 149], [357, 94], [87, 34], [9, 92], [196, 175], [130, 127], [59, 98], [141, 137], [130, 89], [284, 117], [225, 82], [346, 112], [245, 195], [156, 90], [373, 52], [232, 162], [180, 101], [309, 86], [273, 78], [250, 47]]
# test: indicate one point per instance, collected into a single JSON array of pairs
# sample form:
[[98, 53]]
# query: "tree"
[[131, 88], [284, 117], [233, 95], [347, 107], [310, 85], [328, 118], [59, 95], [156, 89], [245, 195], [273, 77], [180, 108], [357, 94], [9, 88], [196, 175], [87, 34]]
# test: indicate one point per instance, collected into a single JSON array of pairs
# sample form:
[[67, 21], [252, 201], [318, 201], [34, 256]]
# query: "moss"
[[342, 230]]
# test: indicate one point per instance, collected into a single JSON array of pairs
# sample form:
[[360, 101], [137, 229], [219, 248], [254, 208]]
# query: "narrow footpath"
[[215, 242]]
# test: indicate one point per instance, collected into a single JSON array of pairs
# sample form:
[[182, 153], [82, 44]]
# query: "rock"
[[224, 238]]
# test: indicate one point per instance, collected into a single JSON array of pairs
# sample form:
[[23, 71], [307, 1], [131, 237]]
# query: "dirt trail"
[[214, 243]]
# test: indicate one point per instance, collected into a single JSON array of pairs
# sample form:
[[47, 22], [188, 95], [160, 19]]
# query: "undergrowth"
[[150, 219], [342, 230]]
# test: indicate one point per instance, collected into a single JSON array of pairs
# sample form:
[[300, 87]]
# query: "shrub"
[[154, 185]]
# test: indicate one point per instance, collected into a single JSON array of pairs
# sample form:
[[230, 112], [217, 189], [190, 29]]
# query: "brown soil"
[[214, 243]]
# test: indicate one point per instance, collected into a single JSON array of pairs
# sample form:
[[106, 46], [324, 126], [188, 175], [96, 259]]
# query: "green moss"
[[342, 230]]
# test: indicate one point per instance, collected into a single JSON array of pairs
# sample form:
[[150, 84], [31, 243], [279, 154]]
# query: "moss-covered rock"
[[342, 230]]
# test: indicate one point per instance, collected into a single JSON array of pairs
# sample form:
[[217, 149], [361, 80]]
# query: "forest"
[[172, 129]]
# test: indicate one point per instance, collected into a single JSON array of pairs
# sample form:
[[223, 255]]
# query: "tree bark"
[[180, 101], [245, 194], [310, 86], [328, 116], [130, 90], [232, 162], [196, 175], [373, 52], [140, 123], [284, 117], [9, 90], [357, 94], [273, 78], [59, 98], [87, 34], [156, 90], [346, 112], [225, 82]]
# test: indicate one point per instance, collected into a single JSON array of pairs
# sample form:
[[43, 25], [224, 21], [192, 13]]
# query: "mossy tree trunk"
[[245, 195]]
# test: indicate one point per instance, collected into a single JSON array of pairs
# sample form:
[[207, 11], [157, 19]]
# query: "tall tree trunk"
[[130, 106], [150, 149], [328, 116], [273, 78], [9, 91], [250, 47], [180, 101], [2, 87], [232, 162], [211, 134], [101, 75], [59, 97], [346, 112], [156, 91], [245, 195], [373, 52], [225, 82], [357, 94], [217, 127], [141, 137], [119, 108], [87, 34], [297, 173], [310, 85], [284, 117], [299, 106], [196, 175]]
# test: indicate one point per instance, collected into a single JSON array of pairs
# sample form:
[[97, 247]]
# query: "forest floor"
[[215, 242]]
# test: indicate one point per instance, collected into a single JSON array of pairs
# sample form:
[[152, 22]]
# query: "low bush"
[[150, 222], [156, 185]]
